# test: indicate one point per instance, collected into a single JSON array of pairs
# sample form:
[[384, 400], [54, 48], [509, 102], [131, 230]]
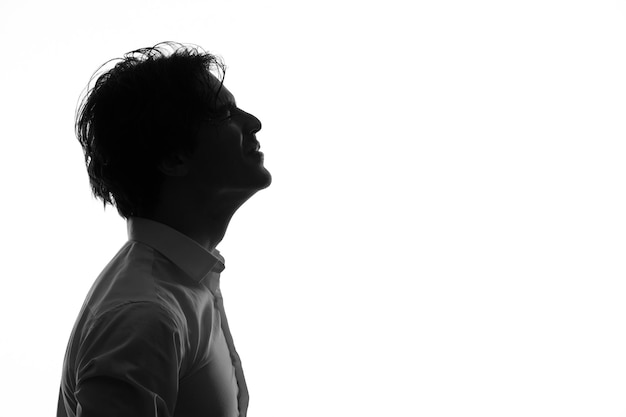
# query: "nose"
[[254, 124], [251, 123]]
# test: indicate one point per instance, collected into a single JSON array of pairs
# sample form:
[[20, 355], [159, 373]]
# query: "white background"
[[445, 234]]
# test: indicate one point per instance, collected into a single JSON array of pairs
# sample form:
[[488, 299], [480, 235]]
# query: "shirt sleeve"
[[128, 364]]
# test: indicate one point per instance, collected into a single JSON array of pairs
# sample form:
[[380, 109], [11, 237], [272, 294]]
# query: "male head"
[[161, 133]]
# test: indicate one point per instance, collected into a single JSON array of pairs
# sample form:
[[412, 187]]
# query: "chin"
[[265, 180]]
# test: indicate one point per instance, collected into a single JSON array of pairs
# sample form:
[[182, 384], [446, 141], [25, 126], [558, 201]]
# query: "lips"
[[253, 149]]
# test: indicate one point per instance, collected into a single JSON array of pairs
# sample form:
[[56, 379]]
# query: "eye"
[[221, 115], [227, 111]]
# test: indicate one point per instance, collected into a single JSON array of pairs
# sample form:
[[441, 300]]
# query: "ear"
[[175, 165]]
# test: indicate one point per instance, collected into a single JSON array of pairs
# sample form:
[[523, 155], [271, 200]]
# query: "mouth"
[[256, 157], [254, 149]]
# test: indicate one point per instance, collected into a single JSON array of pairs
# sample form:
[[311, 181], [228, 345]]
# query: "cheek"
[[221, 154]]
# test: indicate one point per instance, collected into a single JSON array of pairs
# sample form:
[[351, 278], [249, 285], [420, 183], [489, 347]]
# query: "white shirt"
[[152, 338]]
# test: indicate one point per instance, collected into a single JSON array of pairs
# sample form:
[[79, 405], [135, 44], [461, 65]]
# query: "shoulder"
[[129, 277], [128, 330], [132, 320]]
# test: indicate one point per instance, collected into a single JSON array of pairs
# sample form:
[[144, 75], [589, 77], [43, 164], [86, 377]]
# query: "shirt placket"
[[242, 393]]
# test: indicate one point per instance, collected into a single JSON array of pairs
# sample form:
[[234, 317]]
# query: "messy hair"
[[149, 105]]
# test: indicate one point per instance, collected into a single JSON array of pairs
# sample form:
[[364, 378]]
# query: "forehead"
[[225, 97]]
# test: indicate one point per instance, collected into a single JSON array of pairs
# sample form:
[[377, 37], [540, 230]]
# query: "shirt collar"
[[186, 253]]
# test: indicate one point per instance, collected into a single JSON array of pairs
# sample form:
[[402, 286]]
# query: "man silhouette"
[[166, 144]]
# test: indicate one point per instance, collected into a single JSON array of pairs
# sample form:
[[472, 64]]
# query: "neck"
[[206, 223]]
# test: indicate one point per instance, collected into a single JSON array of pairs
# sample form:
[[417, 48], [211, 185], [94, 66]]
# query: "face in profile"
[[228, 157]]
